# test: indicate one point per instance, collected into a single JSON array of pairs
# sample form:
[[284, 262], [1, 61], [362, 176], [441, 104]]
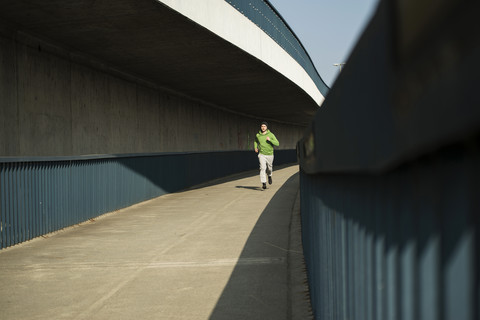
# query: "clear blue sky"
[[328, 29]]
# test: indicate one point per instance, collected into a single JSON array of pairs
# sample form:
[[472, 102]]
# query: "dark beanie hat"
[[265, 123]]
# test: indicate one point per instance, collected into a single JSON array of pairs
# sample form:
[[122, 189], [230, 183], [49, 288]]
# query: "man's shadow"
[[250, 188]]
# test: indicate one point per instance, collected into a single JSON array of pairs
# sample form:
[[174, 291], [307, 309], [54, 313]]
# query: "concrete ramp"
[[225, 250]]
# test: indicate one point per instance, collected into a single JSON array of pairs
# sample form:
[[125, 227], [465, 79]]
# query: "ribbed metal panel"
[[38, 196], [391, 168], [399, 245]]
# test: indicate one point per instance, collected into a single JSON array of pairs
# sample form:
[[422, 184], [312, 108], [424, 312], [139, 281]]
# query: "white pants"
[[266, 166]]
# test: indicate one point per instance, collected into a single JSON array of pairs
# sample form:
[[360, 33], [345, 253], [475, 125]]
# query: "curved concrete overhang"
[[205, 50], [222, 19]]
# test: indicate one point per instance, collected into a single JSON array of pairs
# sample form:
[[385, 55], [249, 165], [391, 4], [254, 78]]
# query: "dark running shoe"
[[269, 180], [264, 186]]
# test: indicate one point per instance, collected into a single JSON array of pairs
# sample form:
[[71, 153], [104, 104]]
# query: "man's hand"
[[268, 138], [256, 150]]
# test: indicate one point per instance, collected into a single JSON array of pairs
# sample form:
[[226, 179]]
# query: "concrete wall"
[[56, 102]]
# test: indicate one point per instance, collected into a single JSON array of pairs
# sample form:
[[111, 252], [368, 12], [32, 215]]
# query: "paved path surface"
[[227, 250]]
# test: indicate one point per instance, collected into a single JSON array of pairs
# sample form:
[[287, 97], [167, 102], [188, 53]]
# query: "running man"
[[265, 140]]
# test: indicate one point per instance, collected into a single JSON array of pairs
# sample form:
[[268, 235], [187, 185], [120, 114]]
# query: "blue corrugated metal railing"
[[390, 171], [267, 18], [402, 245], [42, 195]]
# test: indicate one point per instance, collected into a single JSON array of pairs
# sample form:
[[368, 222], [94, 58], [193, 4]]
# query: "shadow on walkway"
[[249, 187], [267, 283]]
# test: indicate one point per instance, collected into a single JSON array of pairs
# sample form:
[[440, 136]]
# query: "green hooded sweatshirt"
[[265, 147]]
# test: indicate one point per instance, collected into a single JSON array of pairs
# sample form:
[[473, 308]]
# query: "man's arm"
[[273, 140]]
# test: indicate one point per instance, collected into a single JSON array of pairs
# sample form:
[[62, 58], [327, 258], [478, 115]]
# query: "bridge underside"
[[149, 40]]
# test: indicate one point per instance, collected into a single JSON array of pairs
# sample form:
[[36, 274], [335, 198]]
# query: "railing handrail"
[[106, 156]]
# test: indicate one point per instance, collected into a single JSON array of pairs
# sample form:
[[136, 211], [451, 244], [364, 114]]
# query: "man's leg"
[[263, 167], [269, 170]]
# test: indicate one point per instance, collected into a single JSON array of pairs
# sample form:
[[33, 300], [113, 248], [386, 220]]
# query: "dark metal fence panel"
[[39, 196], [391, 168], [401, 245]]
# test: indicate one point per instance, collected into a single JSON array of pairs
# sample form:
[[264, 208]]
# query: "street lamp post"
[[339, 65]]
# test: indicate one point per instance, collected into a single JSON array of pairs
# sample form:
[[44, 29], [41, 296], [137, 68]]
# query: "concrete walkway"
[[227, 250]]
